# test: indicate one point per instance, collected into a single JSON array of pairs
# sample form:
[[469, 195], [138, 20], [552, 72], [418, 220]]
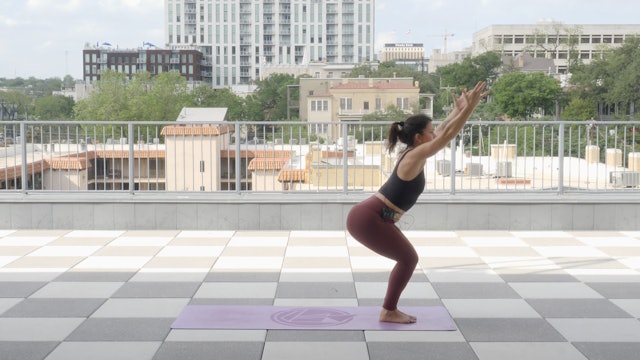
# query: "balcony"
[[492, 167]]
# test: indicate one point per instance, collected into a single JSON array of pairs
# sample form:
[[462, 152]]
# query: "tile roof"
[[267, 163], [294, 175], [191, 130], [377, 85]]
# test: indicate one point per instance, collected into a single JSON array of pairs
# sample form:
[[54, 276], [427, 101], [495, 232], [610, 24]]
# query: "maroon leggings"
[[367, 226]]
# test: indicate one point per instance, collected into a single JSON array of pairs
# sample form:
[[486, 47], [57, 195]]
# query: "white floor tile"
[[190, 251], [248, 262], [560, 290], [526, 351], [245, 290], [463, 275], [489, 308], [77, 290], [598, 330]]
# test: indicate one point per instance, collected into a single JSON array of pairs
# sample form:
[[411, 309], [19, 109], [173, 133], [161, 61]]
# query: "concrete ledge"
[[316, 211]]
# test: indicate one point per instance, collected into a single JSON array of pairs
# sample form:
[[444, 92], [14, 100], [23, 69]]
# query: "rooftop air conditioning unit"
[[443, 167], [624, 178], [474, 169], [504, 169]]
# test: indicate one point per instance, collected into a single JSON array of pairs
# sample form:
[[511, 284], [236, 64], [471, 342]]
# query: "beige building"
[[323, 101], [408, 54], [550, 40]]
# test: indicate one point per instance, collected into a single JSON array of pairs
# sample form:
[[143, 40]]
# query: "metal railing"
[[487, 156]]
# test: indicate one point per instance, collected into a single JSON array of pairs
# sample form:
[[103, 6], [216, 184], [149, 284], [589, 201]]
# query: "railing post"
[[452, 171], [561, 159], [23, 157], [238, 158], [132, 158], [345, 157]]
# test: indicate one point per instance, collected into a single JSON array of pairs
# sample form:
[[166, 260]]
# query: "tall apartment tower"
[[238, 37]]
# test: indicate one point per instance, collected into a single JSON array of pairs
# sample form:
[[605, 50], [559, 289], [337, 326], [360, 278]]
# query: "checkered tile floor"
[[67, 295]]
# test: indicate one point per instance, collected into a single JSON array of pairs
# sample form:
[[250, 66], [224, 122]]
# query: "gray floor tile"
[[210, 350], [141, 308], [609, 350], [19, 289], [421, 351], [489, 308], [231, 301], [577, 308], [130, 329], [475, 291], [37, 329], [49, 308], [316, 290], [617, 290], [526, 351], [508, 330], [110, 350], [25, 350], [157, 290]]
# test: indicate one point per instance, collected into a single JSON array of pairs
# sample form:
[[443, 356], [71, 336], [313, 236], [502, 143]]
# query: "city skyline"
[[48, 37]]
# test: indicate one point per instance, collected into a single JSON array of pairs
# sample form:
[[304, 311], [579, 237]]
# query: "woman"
[[372, 222]]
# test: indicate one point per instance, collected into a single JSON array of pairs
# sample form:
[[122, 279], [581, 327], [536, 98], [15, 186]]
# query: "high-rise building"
[[97, 59], [239, 37]]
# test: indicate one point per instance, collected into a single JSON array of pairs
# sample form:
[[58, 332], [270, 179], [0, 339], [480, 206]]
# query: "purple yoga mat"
[[307, 318]]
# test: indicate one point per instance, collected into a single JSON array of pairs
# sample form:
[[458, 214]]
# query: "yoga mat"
[[244, 317]]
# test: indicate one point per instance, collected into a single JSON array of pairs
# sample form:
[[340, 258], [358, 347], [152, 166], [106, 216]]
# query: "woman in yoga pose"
[[372, 222]]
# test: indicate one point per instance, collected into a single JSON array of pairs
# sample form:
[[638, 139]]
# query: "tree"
[[108, 100], [55, 107], [19, 101], [579, 109], [520, 95], [612, 80], [470, 71], [269, 101], [206, 96]]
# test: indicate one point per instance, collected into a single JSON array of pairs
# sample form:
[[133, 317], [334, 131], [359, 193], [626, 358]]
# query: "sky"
[[45, 38]]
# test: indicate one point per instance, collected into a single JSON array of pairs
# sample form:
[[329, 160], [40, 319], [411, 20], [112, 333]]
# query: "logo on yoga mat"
[[312, 317]]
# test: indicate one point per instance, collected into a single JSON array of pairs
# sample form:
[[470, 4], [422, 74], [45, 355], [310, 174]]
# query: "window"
[[378, 104], [402, 103], [365, 106], [319, 105], [346, 104]]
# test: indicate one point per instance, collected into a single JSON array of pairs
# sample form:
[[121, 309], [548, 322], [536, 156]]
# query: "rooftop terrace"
[[87, 294]]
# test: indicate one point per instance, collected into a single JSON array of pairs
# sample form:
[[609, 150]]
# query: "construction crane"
[[445, 36]]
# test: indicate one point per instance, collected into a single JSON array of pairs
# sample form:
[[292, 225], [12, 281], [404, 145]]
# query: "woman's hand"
[[471, 98]]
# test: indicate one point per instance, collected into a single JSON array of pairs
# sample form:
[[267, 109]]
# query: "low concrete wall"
[[314, 211]]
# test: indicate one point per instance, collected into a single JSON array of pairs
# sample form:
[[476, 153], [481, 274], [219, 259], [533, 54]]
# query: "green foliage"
[[520, 95], [54, 108], [206, 96], [115, 98], [470, 71], [613, 79], [269, 102], [579, 109]]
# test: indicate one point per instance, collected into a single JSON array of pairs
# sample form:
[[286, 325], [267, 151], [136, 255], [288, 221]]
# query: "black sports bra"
[[403, 193]]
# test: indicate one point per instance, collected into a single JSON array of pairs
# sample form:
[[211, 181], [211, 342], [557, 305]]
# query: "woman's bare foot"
[[396, 316]]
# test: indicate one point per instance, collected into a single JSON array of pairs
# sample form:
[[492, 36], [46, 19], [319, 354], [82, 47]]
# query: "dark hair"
[[405, 131]]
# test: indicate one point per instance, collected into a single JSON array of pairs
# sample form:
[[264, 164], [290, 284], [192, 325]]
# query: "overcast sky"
[[45, 38]]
